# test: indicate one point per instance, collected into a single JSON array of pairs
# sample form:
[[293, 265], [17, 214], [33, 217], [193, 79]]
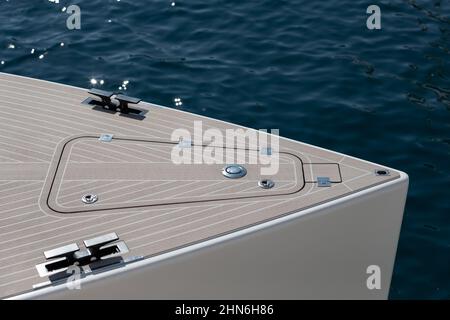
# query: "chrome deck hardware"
[[323, 182], [266, 151], [107, 102], [266, 184], [382, 172], [105, 96], [124, 101], [89, 198], [184, 143], [98, 252], [234, 171], [106, 137]]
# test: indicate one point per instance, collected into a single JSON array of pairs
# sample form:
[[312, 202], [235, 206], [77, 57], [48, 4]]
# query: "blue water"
[[310, 68]]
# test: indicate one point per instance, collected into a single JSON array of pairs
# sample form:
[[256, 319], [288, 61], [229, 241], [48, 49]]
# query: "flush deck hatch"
[[134, 173]]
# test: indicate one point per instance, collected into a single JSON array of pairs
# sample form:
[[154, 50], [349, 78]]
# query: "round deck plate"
[[234, 171]]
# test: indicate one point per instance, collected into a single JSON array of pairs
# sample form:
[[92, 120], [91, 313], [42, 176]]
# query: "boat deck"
[[51, 155]]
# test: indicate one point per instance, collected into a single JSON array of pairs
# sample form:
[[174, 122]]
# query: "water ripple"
[[311, 69]]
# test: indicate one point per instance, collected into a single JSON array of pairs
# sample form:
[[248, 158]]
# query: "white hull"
[[77, 173], [321, 253]]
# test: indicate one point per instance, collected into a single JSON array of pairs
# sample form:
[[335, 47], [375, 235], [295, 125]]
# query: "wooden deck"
[[51, 155]]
